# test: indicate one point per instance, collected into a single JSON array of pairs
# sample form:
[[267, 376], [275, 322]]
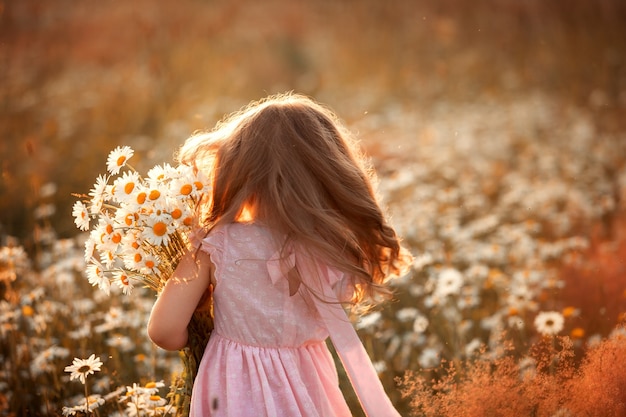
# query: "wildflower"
[[429, 358], [157, 230], [571, 312], [44, 361], [449, 283], [125, 186], [98, 193], [577, 333], [368, 320], [155, 401], [549, 323], [420, 324], [149, 265], [407, 314], [121, 343], [81, 368], [96, 276], [473, 347], [122, 280], [81, 216], [93, 401], [118, 158]]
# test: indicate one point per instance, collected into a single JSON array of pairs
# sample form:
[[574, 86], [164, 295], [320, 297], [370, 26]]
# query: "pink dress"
[[267, 355]]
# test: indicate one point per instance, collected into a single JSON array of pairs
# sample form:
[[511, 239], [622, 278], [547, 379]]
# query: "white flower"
[[473, 347], [126, 186], [96, 276], [368, 320], [123, 281], [420, 324], [81, 215], [150, 265], [160, 174], [429, 358], [406, 314], [118, 158], [98, 193], [549, 323], [157, 230], [450, 282], [93, 401], [81, 368]]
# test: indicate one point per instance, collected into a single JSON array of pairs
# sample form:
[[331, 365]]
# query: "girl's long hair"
[[291, 163]]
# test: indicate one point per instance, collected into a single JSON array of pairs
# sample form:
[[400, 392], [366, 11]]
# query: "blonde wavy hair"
[[290, 163]]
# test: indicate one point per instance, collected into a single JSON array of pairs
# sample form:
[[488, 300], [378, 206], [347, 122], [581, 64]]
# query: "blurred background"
[[497, 128], [79, 78]]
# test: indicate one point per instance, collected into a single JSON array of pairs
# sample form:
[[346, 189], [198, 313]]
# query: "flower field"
[[497, 133]]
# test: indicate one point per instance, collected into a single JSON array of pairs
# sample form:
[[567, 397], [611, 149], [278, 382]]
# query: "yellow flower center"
[[187, 221], [150, 264], [154, 194], [124, 279], [186, 189], [177, 213], [155, 398], [121, 160], [129, 187], [198, 185], [151, 384], [109, 229], [569, 311], [159, 229], [141, 197], [27, 311], [138, 257], [116, 238]]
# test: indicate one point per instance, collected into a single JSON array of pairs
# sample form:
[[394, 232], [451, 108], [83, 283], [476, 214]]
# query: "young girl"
[[292, 232]]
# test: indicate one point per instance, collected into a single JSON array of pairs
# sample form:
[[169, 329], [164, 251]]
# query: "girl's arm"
[[167, 326]]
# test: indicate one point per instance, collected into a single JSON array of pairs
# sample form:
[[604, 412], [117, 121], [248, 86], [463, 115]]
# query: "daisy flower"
[[549, 323], [126, 186], [98, 193], [81, 216], [96, 276], [450, 282], [133, 258], [155, 400], [81, 368], [160, 174], [122, 280], [157, 230], [150, 265], [93, 401], [118, 158], [126, 217], [90, 247], [107, 235]]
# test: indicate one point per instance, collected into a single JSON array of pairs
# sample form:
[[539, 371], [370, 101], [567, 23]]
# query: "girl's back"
[[249, 308], [267, 355]]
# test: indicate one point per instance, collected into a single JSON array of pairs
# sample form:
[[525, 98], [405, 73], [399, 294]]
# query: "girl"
[[292, 232]]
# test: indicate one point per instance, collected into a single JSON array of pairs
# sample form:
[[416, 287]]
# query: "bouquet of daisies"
[[139, 229]]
